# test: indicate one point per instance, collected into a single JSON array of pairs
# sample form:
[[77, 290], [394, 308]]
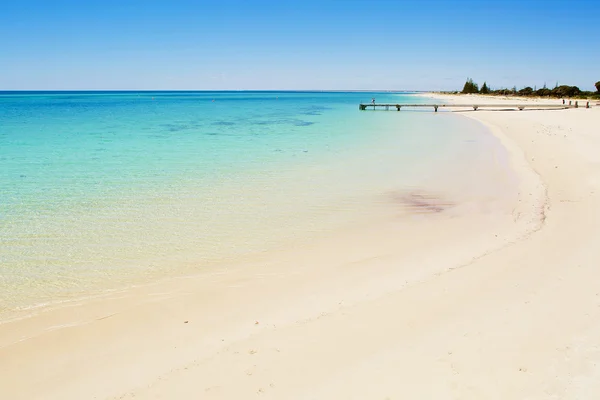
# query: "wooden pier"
[[398, 107]]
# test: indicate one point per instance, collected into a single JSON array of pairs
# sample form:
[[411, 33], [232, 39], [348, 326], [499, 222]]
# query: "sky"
[[297, 45]]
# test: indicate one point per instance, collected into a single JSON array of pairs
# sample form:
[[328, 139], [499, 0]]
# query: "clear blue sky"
[[289, 44]]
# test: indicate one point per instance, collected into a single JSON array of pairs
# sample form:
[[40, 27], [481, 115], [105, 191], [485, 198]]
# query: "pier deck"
[[398, 107]]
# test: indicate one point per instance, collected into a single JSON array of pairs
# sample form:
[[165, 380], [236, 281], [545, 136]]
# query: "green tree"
[[597, 84], [470, 87], [484, 89], [543, 92], [527, 91], [566, 91]]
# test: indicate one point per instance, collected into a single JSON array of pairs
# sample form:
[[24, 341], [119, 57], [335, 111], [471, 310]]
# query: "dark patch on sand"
[[420, 202]]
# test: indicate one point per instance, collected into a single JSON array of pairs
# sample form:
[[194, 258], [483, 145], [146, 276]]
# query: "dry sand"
[[474, 306]]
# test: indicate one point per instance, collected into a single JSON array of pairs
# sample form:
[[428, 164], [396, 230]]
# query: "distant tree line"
[[557, 91]]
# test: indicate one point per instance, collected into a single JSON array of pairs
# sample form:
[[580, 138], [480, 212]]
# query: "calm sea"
[[102, 190]]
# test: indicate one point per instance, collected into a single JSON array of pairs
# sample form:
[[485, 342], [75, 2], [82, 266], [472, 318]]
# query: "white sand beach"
[[453, 305]]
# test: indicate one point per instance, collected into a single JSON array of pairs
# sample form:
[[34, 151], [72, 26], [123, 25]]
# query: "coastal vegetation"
[[470, 87], [558, 91], [485, 89]]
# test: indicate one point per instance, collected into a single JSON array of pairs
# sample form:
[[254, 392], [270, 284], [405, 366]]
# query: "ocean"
[[101, 190]]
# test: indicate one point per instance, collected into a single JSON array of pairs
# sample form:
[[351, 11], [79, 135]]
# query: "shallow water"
[[103, 190]]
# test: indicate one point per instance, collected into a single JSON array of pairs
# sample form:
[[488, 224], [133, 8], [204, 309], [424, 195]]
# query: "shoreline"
[[351, 187], [482, 316]]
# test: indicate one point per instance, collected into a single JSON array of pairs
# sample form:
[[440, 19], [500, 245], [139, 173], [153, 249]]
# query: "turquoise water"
[[99, 190]]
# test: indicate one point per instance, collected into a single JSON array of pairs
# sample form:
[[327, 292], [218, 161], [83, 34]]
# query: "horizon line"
[[217, 90]]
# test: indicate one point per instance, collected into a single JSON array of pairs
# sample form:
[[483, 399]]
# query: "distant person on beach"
[[373, 100]]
